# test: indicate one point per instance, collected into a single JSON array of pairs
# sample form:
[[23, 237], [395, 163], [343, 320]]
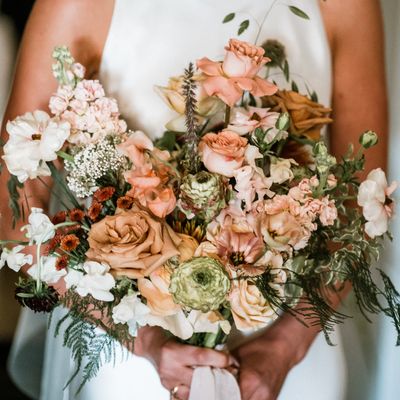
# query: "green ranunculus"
[[200, 283], [203, 194]]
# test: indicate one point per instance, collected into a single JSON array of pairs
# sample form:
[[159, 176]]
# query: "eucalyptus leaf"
[[300, 13], [286, 70], [295, 88], [243, 26], [228, 18]]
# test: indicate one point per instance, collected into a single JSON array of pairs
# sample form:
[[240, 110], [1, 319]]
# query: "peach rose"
[[155, 288], [223, 153], [250, 310], [237, 73], [132, 242], [160, 202]]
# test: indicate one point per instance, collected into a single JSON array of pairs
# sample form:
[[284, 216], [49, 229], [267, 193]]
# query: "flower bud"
[[283, 122], [368, 139]]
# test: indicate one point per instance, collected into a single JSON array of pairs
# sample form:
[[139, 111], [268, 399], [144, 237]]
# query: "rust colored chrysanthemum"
[[62, 262], [76, 215], [53, 243], [103, 194], [69, 242], [95, 210], [59, 218], [125, 202]]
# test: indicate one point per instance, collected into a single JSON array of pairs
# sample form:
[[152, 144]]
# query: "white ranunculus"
[[97, 281], [131, 311], [40, 229], [372, 196], [280, 170], [14, 258], [208, 322], [49, 273], [34, 139]]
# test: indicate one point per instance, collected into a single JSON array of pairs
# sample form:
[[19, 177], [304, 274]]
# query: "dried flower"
[[103, 194], [69, 242], [59, 217], [94, 210], [125, 202], [62, 262], [76, 215]]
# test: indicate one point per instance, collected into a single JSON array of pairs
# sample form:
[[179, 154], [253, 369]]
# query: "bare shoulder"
[[351, 20], [81, 24]]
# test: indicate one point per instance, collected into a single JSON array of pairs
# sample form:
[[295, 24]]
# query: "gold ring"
[[173, 392]]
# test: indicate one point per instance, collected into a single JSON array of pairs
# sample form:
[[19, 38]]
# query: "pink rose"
[[245, 121], [160, 202], [237, 73], [223, 153]]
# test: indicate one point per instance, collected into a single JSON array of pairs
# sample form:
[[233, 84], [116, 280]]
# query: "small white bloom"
[[40, 229], [49, 273], [14, 259], [73, 278], [280, 170], [131, 311], [178, 324], [208, 322], [372, 196], [34, 139], [97, 282]]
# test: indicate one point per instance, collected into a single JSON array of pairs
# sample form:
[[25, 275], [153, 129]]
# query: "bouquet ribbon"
[[214, 384]]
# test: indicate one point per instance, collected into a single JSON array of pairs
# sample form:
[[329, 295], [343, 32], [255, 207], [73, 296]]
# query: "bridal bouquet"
[[236, 214]]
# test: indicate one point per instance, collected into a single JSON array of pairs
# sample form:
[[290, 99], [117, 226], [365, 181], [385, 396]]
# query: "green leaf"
[[228, 18], [298, 12], [286, 70], [243, 26], [295, 88]]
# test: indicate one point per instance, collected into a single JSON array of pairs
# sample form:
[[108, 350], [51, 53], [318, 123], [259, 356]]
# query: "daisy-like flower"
[[34, 140]]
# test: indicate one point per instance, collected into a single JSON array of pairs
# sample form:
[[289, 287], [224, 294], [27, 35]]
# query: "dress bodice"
[[152, 40]]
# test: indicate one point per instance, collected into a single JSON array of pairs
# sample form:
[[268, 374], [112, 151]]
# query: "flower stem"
[[39, 267], [65, 156], [227, 115]]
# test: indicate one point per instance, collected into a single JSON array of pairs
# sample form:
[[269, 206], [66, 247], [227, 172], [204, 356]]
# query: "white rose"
[[97, 282], [14, 259], [40, 229], [48, 271], [280, 170], [34, 139]]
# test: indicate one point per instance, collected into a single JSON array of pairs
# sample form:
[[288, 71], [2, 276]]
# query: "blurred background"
[[374, 362]]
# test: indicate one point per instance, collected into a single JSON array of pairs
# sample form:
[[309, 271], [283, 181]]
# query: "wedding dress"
[[148, 42]]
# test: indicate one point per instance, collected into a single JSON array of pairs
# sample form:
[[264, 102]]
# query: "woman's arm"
[[80, 24], [359, 102]]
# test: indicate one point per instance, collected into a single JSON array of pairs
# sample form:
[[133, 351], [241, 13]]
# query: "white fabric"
[[213, 384], [148, 42]]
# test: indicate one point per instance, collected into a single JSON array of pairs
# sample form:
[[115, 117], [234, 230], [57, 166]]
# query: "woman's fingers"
[[195, 356]]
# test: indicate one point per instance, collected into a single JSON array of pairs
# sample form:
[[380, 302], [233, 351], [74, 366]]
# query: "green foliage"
[[13, 186], [298, 12], [244, 25], [228, 18]]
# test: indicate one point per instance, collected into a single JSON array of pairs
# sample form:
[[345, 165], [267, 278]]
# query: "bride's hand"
[[174, 361]]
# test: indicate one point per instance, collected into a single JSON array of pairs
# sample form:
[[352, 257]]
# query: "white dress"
[[149, 41]]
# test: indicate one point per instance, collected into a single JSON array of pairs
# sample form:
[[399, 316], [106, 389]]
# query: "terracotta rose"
[[132, 242]]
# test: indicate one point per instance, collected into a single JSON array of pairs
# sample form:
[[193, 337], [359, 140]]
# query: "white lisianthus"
[[280, 170], [97, 281], [34, 139], [14, 258], [373, 197], [40, 229], [48, 271], [73, 278], [130, 310]]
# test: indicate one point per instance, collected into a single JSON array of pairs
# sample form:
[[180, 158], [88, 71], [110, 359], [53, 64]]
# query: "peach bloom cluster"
[[149, 175], [90, 113], [238, 72]]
